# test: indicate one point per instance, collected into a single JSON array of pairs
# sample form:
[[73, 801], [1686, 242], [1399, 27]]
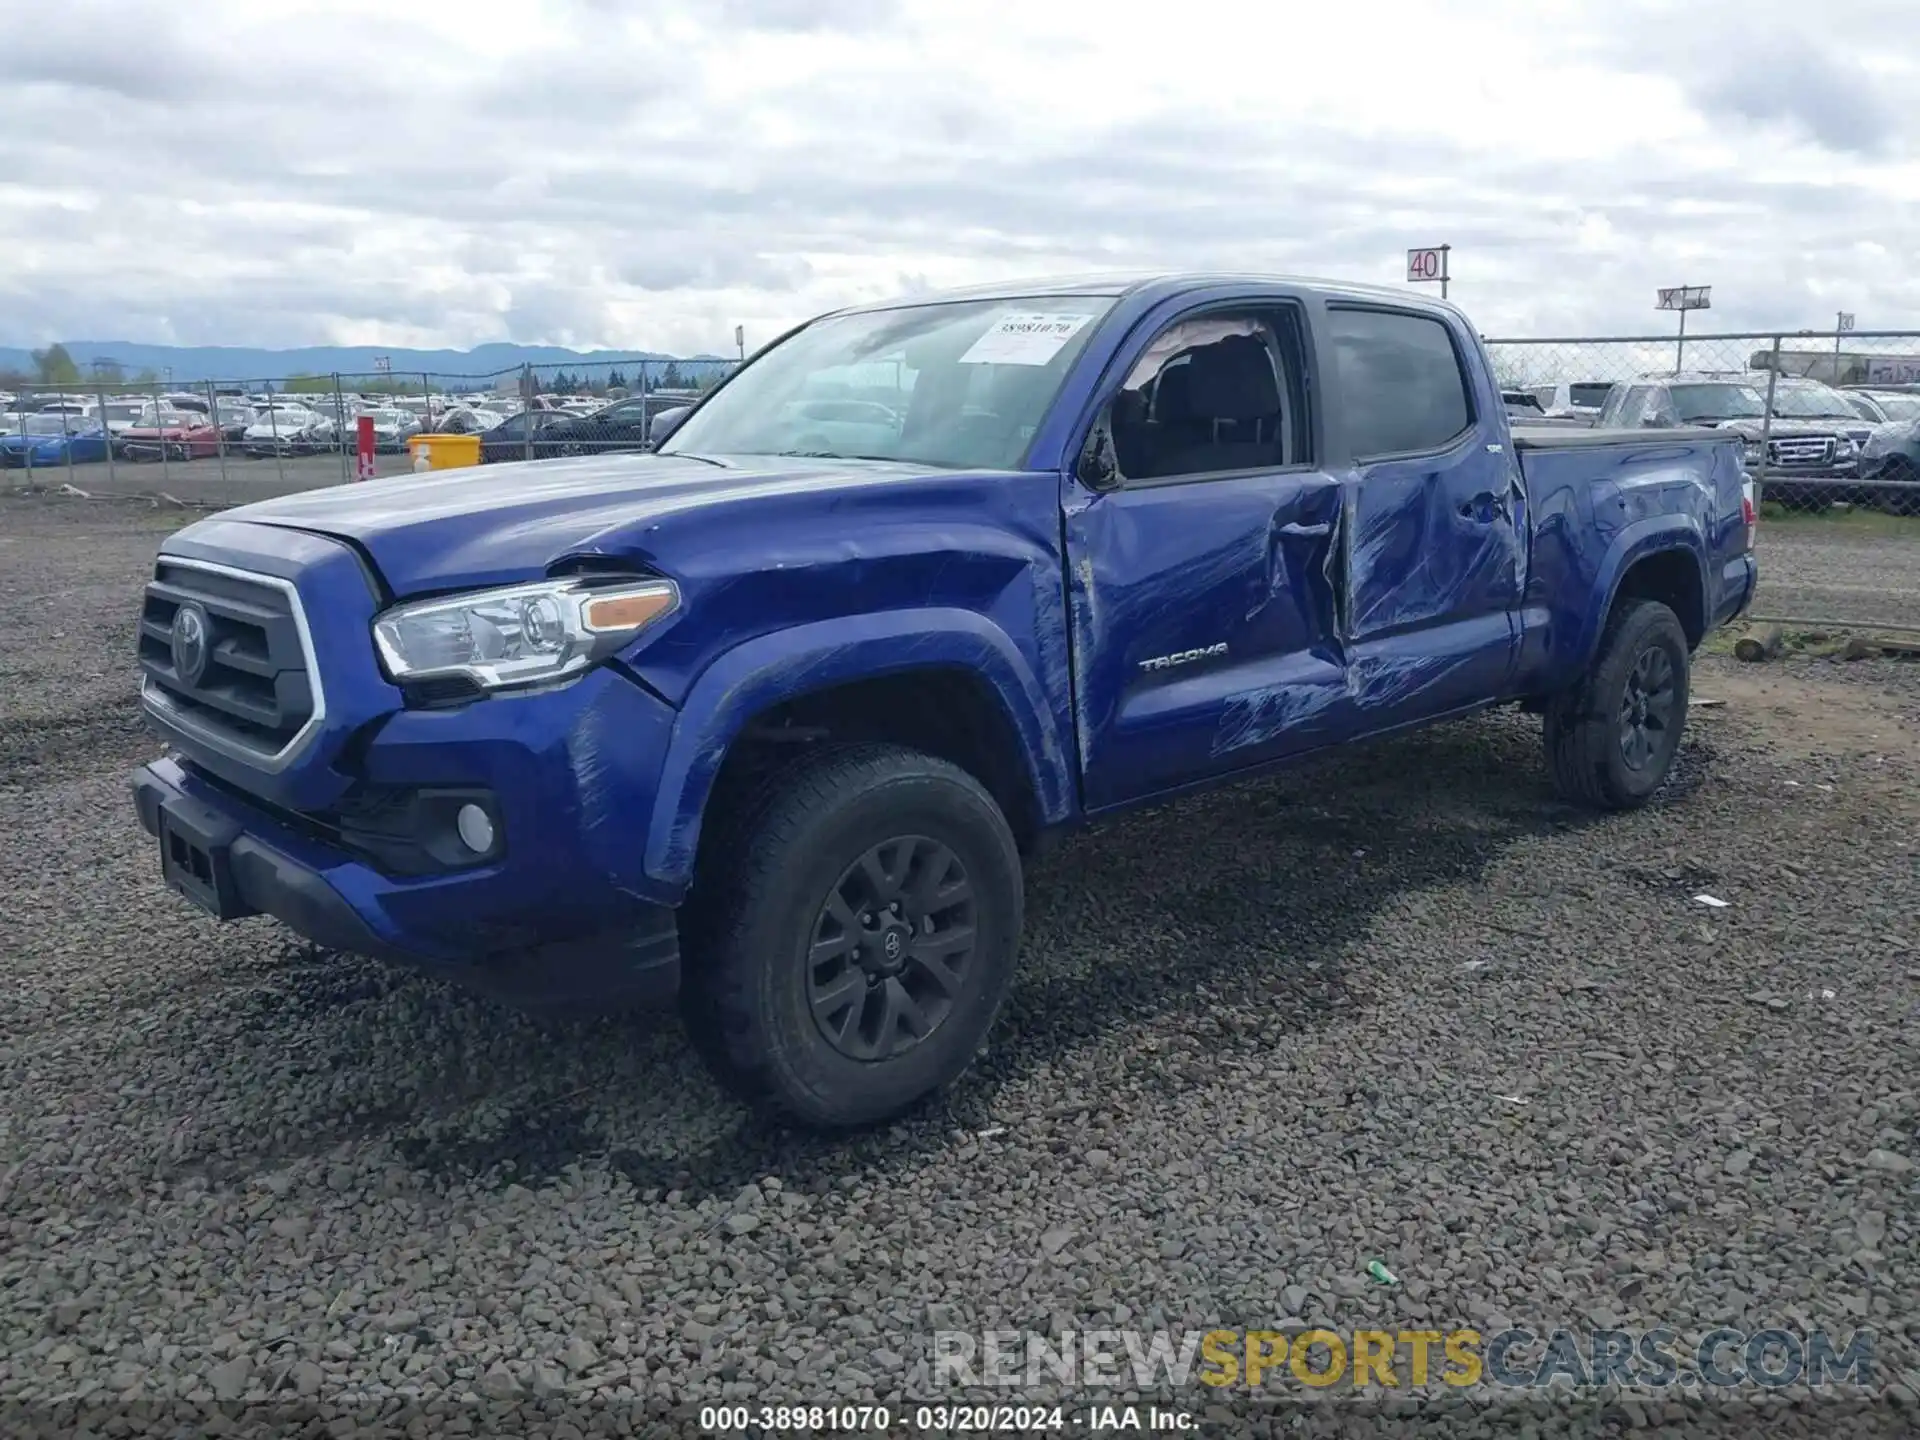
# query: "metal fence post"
[[66, 428], [1766, 429], [340, 427], [426, 389], [273, 427], [646, 422], [526, 409], [219, 429], [166, 465], [108, 429]]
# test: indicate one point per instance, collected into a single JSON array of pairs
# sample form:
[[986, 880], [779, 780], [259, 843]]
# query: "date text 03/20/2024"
[[986, 1419]]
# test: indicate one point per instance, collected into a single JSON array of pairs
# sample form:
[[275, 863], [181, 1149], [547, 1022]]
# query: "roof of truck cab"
[[1115, 284]]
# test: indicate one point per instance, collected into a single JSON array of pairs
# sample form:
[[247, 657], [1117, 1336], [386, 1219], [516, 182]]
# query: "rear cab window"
[[1403, 388]]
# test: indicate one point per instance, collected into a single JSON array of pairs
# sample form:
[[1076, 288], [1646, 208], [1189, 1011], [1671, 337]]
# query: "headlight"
[[522, 635], [1752, 451], [1845, 447]]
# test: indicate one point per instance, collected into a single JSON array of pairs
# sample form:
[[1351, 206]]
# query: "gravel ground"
[[1400, 1005], [1822, 569]]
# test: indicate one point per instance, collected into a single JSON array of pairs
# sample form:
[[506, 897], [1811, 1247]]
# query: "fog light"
[[475, 827]]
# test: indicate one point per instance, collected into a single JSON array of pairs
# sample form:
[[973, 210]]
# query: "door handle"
[[1307, 532]]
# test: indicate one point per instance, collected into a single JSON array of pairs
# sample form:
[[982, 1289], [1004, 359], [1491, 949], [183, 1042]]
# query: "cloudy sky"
[[647, 173]]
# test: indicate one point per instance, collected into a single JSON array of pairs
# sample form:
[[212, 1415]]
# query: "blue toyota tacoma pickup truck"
[[766, 719]]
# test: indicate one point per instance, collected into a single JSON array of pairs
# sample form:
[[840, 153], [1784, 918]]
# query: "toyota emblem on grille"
[[189, 643]]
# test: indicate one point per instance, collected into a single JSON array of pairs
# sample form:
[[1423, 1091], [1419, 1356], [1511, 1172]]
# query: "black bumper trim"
[[637, 965]]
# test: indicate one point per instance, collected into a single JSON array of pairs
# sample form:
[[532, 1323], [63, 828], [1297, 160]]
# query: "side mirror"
[[1096, 468], [665, 423]]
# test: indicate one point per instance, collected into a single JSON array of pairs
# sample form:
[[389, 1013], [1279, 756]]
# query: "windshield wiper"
[[689, 455]]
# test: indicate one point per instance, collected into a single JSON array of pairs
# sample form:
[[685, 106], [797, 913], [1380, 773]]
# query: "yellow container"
[[443, 452]]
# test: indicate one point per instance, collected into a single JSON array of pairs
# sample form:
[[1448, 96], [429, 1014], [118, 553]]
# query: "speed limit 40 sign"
[[1428, 263]]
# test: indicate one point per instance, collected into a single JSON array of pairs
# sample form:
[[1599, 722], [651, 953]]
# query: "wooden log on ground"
[[1764, 646]]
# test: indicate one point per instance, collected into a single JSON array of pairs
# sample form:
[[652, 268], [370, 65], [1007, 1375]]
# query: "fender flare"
[[784, 665], [1654, 535]]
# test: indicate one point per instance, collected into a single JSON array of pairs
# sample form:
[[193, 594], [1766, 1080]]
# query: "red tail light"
[[1747, 511]]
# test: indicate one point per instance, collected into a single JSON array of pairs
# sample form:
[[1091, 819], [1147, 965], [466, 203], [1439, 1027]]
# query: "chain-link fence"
[[1831, 425], [1831, 431], [311, 427]]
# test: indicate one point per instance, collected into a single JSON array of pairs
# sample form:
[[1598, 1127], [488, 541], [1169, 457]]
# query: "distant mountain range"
[[228, 362]]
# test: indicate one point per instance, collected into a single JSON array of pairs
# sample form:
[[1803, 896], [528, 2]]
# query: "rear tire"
[[857, 935], [1612, 737]]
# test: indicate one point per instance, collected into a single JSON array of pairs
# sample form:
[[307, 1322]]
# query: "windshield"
[[126, 414], [954, 385], [54, 424], [1717, 402], [1811, 402], [1590, 395]]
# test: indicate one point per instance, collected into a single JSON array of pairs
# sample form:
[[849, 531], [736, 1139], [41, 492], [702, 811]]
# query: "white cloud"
[[587, 172]]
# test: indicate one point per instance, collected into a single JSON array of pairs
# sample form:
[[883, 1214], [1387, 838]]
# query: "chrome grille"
[[255, 696], [1808, 450]]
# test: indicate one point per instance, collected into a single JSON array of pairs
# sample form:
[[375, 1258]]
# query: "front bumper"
[[569, 774], [237, 860]]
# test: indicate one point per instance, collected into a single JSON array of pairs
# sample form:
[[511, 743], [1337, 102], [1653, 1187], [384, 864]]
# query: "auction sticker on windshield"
[[1024, 339]]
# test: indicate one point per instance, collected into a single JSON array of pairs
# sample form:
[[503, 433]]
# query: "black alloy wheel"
[[1647, 708], [891, 948]]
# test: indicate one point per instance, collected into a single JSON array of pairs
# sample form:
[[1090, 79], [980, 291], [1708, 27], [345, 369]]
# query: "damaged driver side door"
[[1201, 534]]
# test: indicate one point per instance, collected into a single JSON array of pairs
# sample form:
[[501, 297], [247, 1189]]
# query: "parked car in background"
[[1798, 398], [233, 417], [462, 420], [619, 426], [508, 440], [1890, 465], [286, 429], [1812, 447], [44, 440], [120, 416], [1573, 399], [391, 427], [1891, 405], [183, 435]]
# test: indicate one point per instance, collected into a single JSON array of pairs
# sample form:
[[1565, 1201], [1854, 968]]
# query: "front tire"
[[857, 936], [1612, 737]]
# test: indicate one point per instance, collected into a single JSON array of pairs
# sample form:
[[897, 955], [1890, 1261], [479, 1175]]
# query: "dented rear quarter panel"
[[1601, 505]]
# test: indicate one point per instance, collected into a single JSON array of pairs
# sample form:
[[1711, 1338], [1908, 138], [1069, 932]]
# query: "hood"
[[473, 526], [1782, 425]]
